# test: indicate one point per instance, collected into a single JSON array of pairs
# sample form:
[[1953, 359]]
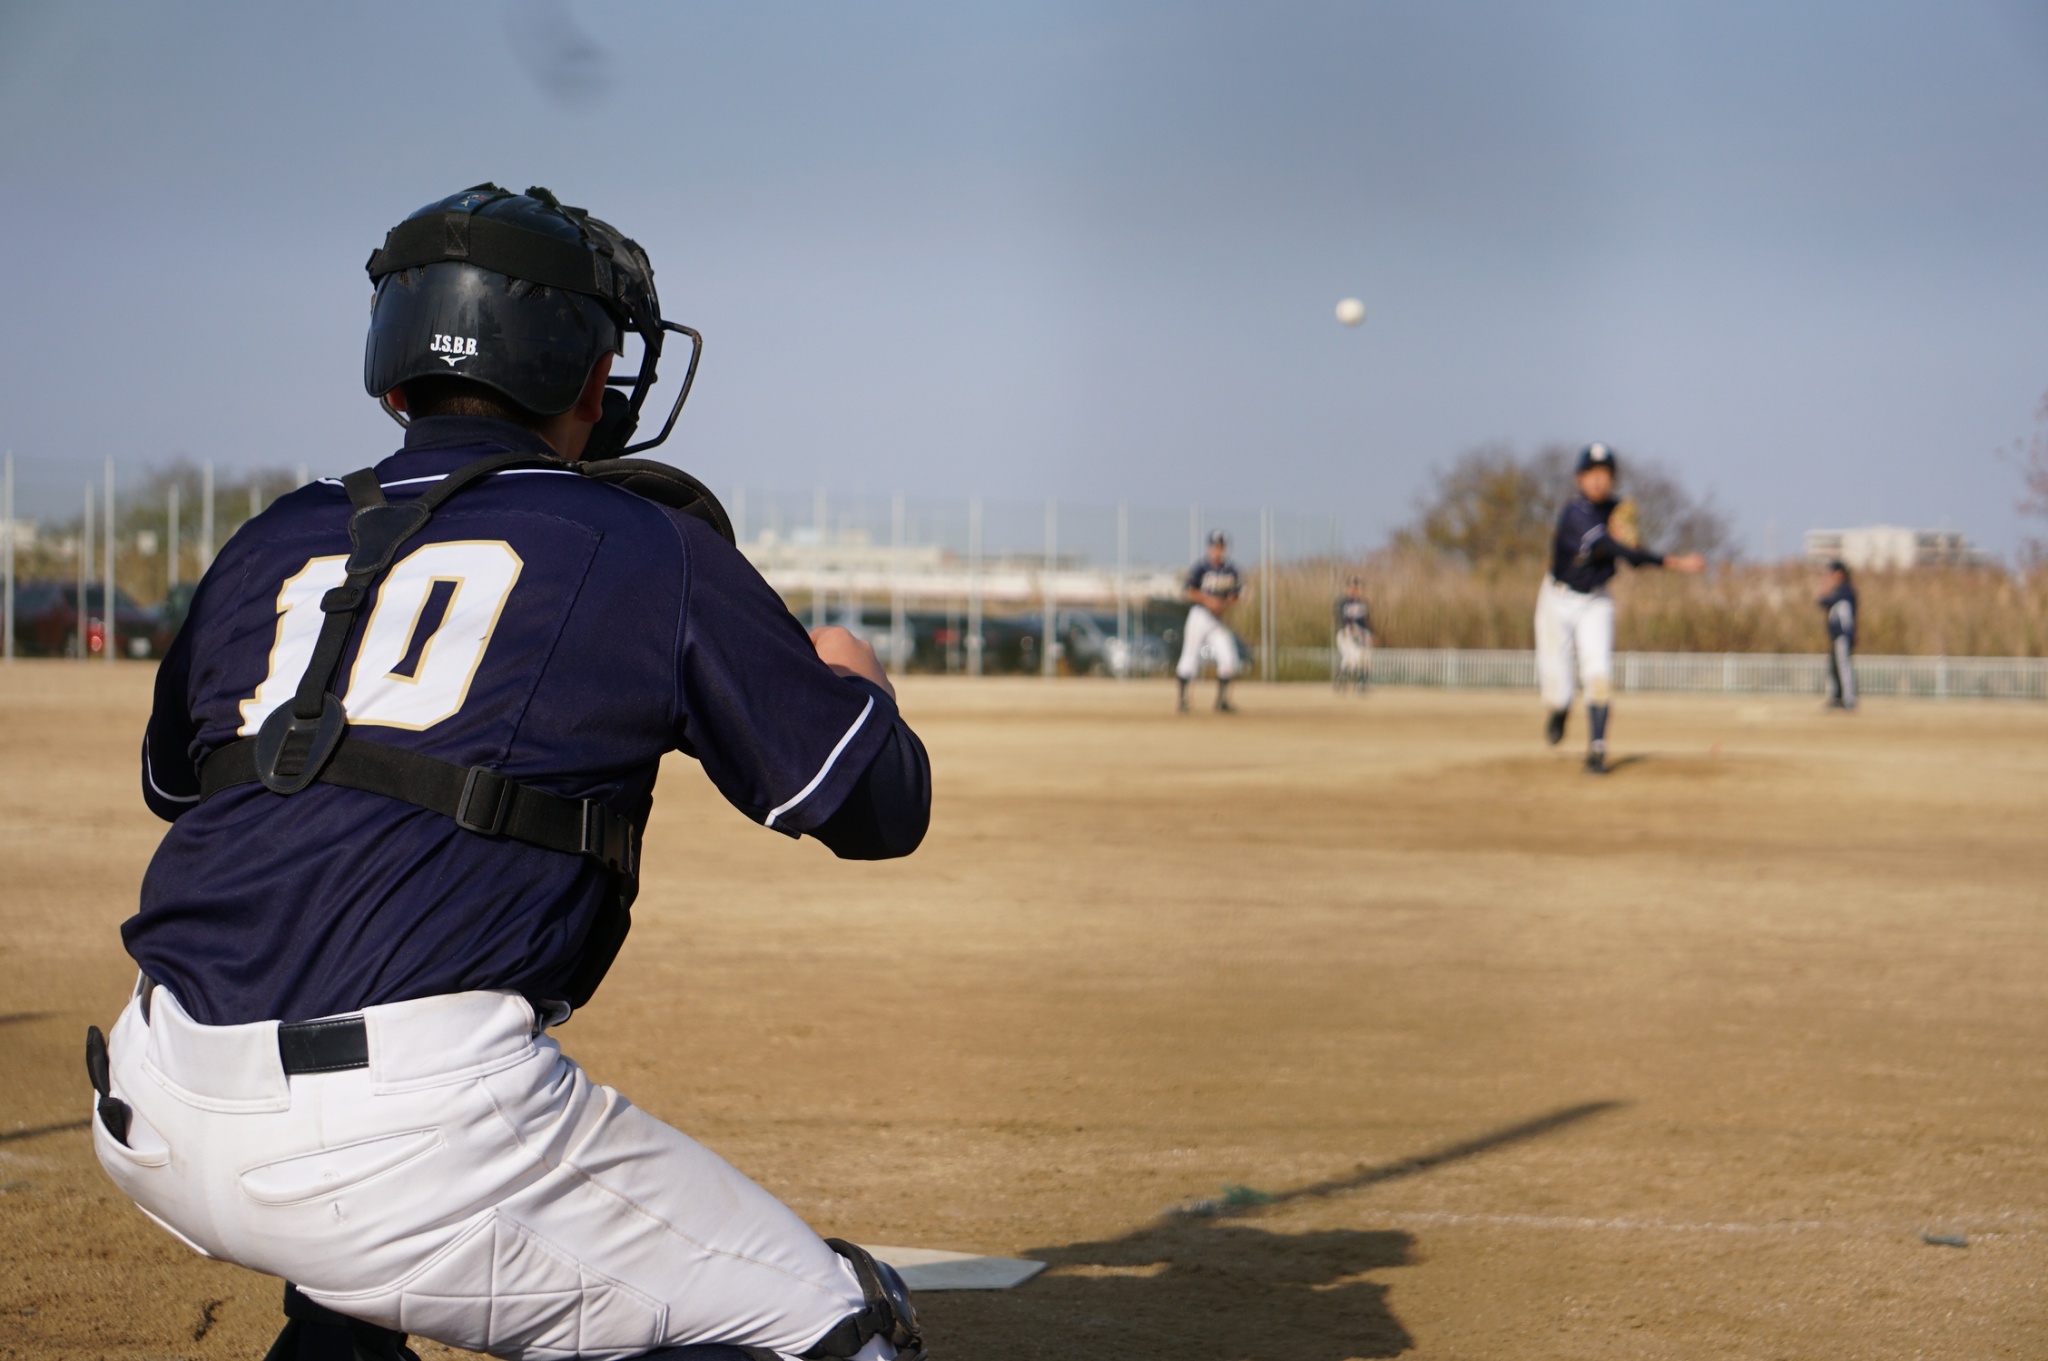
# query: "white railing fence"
[[1730, 673]]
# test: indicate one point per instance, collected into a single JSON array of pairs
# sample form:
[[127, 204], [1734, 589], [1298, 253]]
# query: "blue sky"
[[1794, 252]]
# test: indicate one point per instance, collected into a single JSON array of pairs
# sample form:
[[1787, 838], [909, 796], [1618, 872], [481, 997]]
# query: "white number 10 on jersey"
[[434, 616]]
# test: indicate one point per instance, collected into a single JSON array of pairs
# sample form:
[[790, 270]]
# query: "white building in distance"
[[1891, 546]]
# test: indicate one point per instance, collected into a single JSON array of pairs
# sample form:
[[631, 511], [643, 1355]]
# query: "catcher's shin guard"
[[887, 1312]]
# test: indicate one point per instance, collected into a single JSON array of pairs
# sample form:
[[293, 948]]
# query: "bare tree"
[[2031, 456], [1493, 507]]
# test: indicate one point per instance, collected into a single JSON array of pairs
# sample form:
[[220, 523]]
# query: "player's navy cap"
[[1218, 539], [1596, 456], [1837, 565]]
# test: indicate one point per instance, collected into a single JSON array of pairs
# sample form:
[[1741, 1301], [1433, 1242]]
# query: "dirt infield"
[[1680, 1063]]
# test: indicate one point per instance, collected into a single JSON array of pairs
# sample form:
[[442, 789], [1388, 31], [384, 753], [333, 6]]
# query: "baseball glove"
[[1624, 526]]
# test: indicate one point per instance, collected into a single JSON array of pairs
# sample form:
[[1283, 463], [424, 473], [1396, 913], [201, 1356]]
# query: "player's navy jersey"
[[1353, 614], [1224, 582], [1583, 554], [1840, 604], [560, 631]]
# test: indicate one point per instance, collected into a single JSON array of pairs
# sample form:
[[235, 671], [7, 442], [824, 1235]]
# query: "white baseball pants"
[[1842, 672], [1574, 644], [471, 1186], [1205, 632], [1354, 652]]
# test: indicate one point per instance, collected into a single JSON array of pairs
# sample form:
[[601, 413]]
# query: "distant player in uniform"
[[407, 741], [1354, 637], [1840, 605], [1574, 612], [1213, 586]]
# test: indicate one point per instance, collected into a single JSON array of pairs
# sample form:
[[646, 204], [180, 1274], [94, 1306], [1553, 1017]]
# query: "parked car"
[[46, 622]]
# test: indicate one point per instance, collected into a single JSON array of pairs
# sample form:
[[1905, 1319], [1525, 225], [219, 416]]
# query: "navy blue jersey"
[[1224, 582], [1840, 604], [563, 632], [1583, 554], [1353, 614]]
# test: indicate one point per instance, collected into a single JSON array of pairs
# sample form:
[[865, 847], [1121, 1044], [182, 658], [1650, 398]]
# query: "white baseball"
[[1351, 311]]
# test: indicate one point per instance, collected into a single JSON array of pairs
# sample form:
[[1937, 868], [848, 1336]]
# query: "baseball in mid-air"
[[1351, 311]]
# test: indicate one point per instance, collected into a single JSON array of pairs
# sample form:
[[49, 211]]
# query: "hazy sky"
[[1799, 253]]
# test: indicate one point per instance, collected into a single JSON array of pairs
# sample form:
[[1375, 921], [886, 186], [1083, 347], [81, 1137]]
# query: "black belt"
[[331, 1046]]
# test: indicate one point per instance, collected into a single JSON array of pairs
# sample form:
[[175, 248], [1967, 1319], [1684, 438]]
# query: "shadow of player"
[[1195, 1290]]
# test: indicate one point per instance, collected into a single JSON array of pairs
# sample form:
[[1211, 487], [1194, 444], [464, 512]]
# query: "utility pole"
[[898, 626]]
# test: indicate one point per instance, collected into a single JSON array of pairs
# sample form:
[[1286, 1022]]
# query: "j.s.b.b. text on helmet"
[[453, 349]]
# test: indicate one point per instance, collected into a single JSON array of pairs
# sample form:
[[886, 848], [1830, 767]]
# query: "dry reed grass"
[[1422, 600]]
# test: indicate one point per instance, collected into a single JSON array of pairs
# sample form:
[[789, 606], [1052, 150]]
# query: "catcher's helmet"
[[522, 294], [1597, 456]]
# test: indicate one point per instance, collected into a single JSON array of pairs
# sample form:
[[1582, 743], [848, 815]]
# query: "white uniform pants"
[[1842, 672], [1354, 653], [1574, 644], [471, 1186], [1205, 632]]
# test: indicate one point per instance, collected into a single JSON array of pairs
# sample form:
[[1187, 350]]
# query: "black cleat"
[[1223, 705], [1553, 726], [1596, 763], [1181, 705]]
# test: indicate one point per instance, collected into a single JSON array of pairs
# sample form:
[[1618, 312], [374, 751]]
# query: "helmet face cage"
[[522, 294]]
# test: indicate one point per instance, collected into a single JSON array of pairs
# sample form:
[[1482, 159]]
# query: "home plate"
[[936, 1269]]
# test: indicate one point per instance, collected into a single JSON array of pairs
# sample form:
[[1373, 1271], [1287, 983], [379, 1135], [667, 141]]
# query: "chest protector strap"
[[307, 739]]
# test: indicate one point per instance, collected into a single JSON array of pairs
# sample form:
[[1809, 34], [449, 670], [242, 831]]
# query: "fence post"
[[1266, 595], [1048, 663], [974, 585], [897, 628], [205, 516], [818, 601], [171, 538], [1123, 587], [1941, 677], [7, 603], [84, 575], [110, 627], [1451, 669]]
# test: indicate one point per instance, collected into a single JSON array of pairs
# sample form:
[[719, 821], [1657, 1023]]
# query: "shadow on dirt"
[[1202, 1285], [1193, 1290]]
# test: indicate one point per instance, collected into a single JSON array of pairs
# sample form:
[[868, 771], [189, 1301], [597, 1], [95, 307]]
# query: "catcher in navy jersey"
[[407, 741]]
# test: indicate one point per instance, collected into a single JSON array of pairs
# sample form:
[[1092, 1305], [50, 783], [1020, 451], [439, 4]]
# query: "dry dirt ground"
[[1682, 1063]]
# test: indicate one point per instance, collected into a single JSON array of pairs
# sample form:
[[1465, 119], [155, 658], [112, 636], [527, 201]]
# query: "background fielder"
[[1574, 612], [1213, 586], [1354, 637], [1840, 604]]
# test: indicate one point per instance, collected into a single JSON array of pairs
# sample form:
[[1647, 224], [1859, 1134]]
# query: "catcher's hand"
[[1624, 526]]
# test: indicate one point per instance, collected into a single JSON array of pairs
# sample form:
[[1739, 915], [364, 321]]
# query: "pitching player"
[[407, 741], [1574, 612], [1354, 637], [1840, 605], [1213, 586]]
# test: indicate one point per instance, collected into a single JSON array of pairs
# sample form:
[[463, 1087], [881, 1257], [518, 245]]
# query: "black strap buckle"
[[486, 801], [608, 838]]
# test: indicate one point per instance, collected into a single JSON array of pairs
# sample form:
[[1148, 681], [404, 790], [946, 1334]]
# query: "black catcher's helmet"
[[522, 294]]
